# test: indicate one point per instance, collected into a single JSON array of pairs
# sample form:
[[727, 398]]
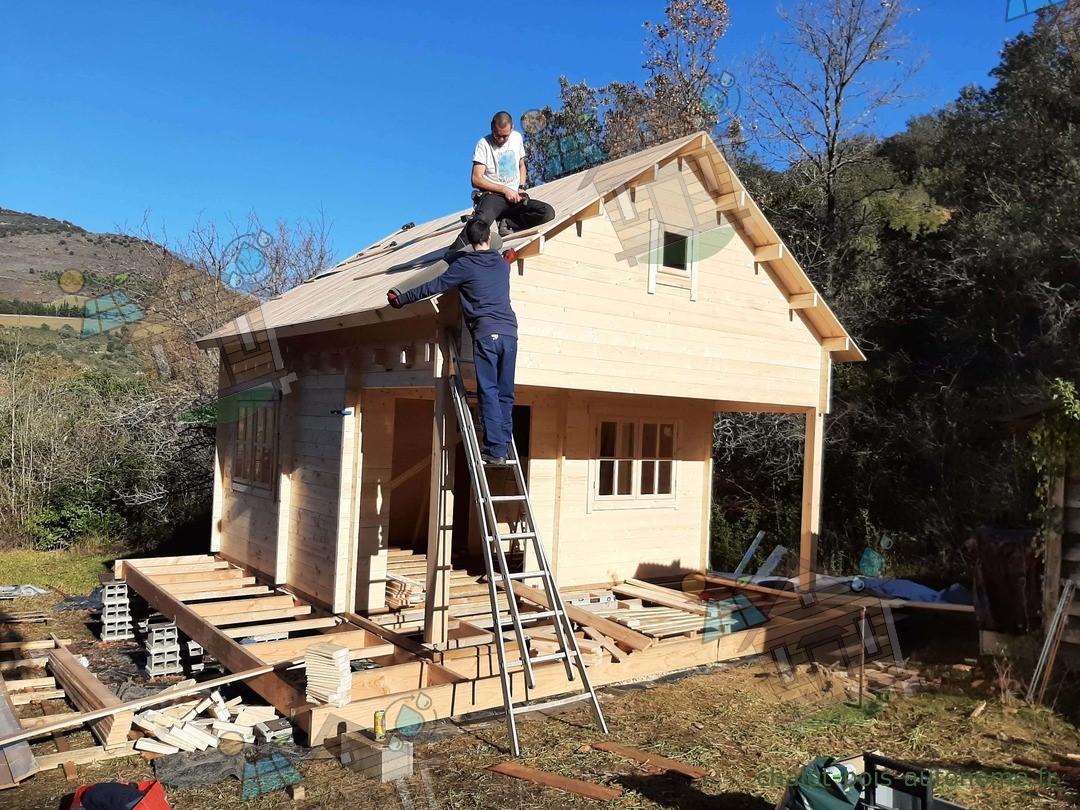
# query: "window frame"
[[634, 500], [243, 480]]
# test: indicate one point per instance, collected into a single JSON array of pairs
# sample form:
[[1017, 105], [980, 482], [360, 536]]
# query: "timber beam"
[[234, 657]]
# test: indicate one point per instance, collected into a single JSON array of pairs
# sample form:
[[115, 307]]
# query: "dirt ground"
[[733, 721], [737, 721]]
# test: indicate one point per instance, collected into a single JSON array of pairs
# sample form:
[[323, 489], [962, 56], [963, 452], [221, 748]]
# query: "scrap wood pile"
[[403, 592], [198, 724]]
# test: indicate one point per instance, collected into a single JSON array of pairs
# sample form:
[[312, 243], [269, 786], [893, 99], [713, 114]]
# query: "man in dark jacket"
[[483, 277]]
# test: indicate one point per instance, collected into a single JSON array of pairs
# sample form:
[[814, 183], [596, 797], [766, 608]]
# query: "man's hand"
[[392, 298], [512, 196]]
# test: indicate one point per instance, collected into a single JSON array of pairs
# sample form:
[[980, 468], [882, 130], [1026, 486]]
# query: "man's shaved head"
[[501, 120]]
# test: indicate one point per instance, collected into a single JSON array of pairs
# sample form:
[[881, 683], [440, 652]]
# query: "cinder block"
[[376, 759]]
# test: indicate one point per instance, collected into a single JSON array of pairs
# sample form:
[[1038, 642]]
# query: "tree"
[[682, 94], [813, 99]]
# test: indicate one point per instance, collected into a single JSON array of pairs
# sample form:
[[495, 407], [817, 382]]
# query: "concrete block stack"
[[115, 612], [163, 650]]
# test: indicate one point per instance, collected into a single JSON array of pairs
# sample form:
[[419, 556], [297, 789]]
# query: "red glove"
[[392, 298]]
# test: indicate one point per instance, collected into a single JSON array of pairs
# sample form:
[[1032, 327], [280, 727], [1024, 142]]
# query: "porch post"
[[811, 499], [441, 512]]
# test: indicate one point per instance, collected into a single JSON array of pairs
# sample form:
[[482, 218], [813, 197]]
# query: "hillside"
[[35, 251]]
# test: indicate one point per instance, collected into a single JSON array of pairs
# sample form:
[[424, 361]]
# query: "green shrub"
[[59, 526], [733, 528]]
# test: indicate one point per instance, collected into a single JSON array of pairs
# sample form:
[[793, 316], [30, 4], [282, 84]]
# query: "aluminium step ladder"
[[500, 576]]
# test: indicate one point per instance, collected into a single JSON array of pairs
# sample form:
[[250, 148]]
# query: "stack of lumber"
[[402, 592], [89, 694], [329, 674], [199, 724]]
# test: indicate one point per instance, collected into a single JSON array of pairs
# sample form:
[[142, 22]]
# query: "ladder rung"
[[517, 536], [527, 575], [551, 704], [504, 498], [543, 659], [531, 617], [539, 659]]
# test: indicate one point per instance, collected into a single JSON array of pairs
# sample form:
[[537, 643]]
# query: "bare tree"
[[813, 94], [678, 98]]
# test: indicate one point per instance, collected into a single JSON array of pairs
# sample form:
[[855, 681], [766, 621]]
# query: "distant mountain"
[[35, 251]]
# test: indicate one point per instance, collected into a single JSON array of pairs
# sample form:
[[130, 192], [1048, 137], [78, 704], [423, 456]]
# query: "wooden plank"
[[258, 615], [71, 773], [195, 586], [358, 641], [233, 656], [396, 639], [637, 589], [653, 760], [48, 644], [201, 596], [86, 756], [37, 696], [589, 790], [197, 576], [619, 634], [295, 626], [243, 606]]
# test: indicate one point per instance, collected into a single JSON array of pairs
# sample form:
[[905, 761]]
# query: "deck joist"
[[650, 631]]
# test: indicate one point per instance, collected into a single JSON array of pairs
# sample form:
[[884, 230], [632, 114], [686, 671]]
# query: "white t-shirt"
[[501, 162]]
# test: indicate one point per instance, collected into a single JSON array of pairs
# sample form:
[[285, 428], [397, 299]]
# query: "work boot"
[[493, 461]]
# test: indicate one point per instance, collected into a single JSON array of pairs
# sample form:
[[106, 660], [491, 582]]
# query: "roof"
[[353, 292]]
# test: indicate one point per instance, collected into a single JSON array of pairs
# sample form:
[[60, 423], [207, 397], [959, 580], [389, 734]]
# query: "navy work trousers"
[[495, 357]]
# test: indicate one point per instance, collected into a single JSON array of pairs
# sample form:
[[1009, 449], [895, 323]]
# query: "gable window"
[[635, 459], [674, 252], [255, 450]]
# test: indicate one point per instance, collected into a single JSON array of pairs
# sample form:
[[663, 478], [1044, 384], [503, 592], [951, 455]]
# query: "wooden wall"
[[315, 476], [591, 541], [248, 521], [588, 322]]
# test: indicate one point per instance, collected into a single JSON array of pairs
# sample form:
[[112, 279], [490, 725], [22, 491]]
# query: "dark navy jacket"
[[483, 277]]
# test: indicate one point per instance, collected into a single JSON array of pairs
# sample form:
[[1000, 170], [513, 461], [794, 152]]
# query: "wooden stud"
[[836, 344]]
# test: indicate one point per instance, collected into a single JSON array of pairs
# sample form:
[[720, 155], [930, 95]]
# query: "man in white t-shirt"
[[498, 175]]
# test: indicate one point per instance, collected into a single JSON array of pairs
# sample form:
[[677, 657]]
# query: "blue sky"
[[189, 108]]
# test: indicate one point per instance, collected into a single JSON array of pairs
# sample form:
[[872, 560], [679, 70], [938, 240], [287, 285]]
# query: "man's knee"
[[544, 212]]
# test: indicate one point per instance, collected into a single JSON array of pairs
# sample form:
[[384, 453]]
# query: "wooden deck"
[[647, 630]]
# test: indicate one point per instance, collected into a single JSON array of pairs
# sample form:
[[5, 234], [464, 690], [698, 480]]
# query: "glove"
[[392, 296]]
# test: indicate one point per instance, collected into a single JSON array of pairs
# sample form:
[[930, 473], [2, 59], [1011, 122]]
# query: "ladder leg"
[[500, 577]]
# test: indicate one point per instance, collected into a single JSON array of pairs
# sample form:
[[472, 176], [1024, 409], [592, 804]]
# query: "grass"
[[72, 572]]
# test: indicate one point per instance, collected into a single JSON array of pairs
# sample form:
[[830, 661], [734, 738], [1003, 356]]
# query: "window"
[[674, 251], [256, 429], [635, 459]]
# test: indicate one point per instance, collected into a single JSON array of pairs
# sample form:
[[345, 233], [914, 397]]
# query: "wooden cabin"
[[658, 297]]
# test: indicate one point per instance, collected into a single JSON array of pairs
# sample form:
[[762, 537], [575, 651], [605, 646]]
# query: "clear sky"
[[191, 108]]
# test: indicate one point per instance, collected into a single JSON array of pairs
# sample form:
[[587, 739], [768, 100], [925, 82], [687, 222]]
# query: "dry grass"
[[729, 721]]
